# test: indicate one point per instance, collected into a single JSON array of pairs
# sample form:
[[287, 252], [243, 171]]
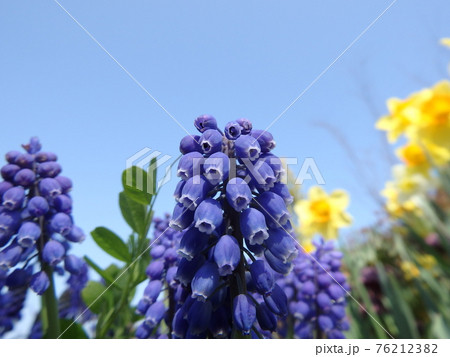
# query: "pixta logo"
[[149, 161]]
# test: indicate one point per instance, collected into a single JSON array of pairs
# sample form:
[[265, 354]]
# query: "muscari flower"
[[232, 217], [318, 290], [35, 220]]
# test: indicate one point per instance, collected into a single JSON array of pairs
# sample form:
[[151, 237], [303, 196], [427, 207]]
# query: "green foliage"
[[112, 300]]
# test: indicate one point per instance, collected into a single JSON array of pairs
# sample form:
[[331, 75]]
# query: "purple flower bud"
[[157, 251], [192, 243], [4, 186], [300, 309], [275, 163], [39, 282], [274, 209], [28, 234], [325, 323], [277, 301], [18, 278], [142, 307], [49, 169], [155, 269], [277, 264], [190, 165], [265, 139], [238, 194], [143, 331], [76, 235], [152, 291], [247, 147], [73, 264], [9, 222], [308, 288], [170, 255], [194, 191], [61, 223], [182, 217], [33, 146], [233, 130], [336, 292], [208, 216], [24, 177], [53, 252], [262, 277], [24, 160], [178, 190], [246, 125], [262, 175], [11, 156], [217, 167], [211, 141], [10, 256], [244, 312], [253, 226], [63, 203], [49, 188], [283, 191], [9, 171], [171, 275], [227, 254], [205, 281], [205, 122], [281, 245], [190, 143], [187, 269], [155, 314], [65, 183], [13, 198], [199, 317], [179, 324], [45, 156], [256, 249], [266, 319]]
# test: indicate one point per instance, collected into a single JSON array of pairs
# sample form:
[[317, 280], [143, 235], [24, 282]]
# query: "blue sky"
[[230, 59]]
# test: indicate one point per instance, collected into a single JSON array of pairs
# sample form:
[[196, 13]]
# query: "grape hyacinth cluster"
[[162, 283], [232, 214], [36, 226], [315, 290]]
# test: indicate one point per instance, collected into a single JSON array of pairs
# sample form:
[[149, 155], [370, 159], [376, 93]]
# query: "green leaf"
[[138, 185], [133, 212], [103, 273], [94, 296], [111, 243], [71, 330]]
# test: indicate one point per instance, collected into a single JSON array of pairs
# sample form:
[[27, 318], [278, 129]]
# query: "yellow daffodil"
[[308, 246], [322, 213], [404, 193], [410, 270], [415, 158], [397, 122], [445, 42]]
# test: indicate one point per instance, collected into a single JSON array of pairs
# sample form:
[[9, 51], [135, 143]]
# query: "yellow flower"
[[415, 158], [410, 270], [322, 213], [445, 42], [397, 122], [404, 193], [427, 261]]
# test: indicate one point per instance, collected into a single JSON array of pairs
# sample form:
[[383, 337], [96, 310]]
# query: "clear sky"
[[230, 59]]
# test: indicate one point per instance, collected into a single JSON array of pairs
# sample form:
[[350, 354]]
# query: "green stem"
[[50, 307]]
